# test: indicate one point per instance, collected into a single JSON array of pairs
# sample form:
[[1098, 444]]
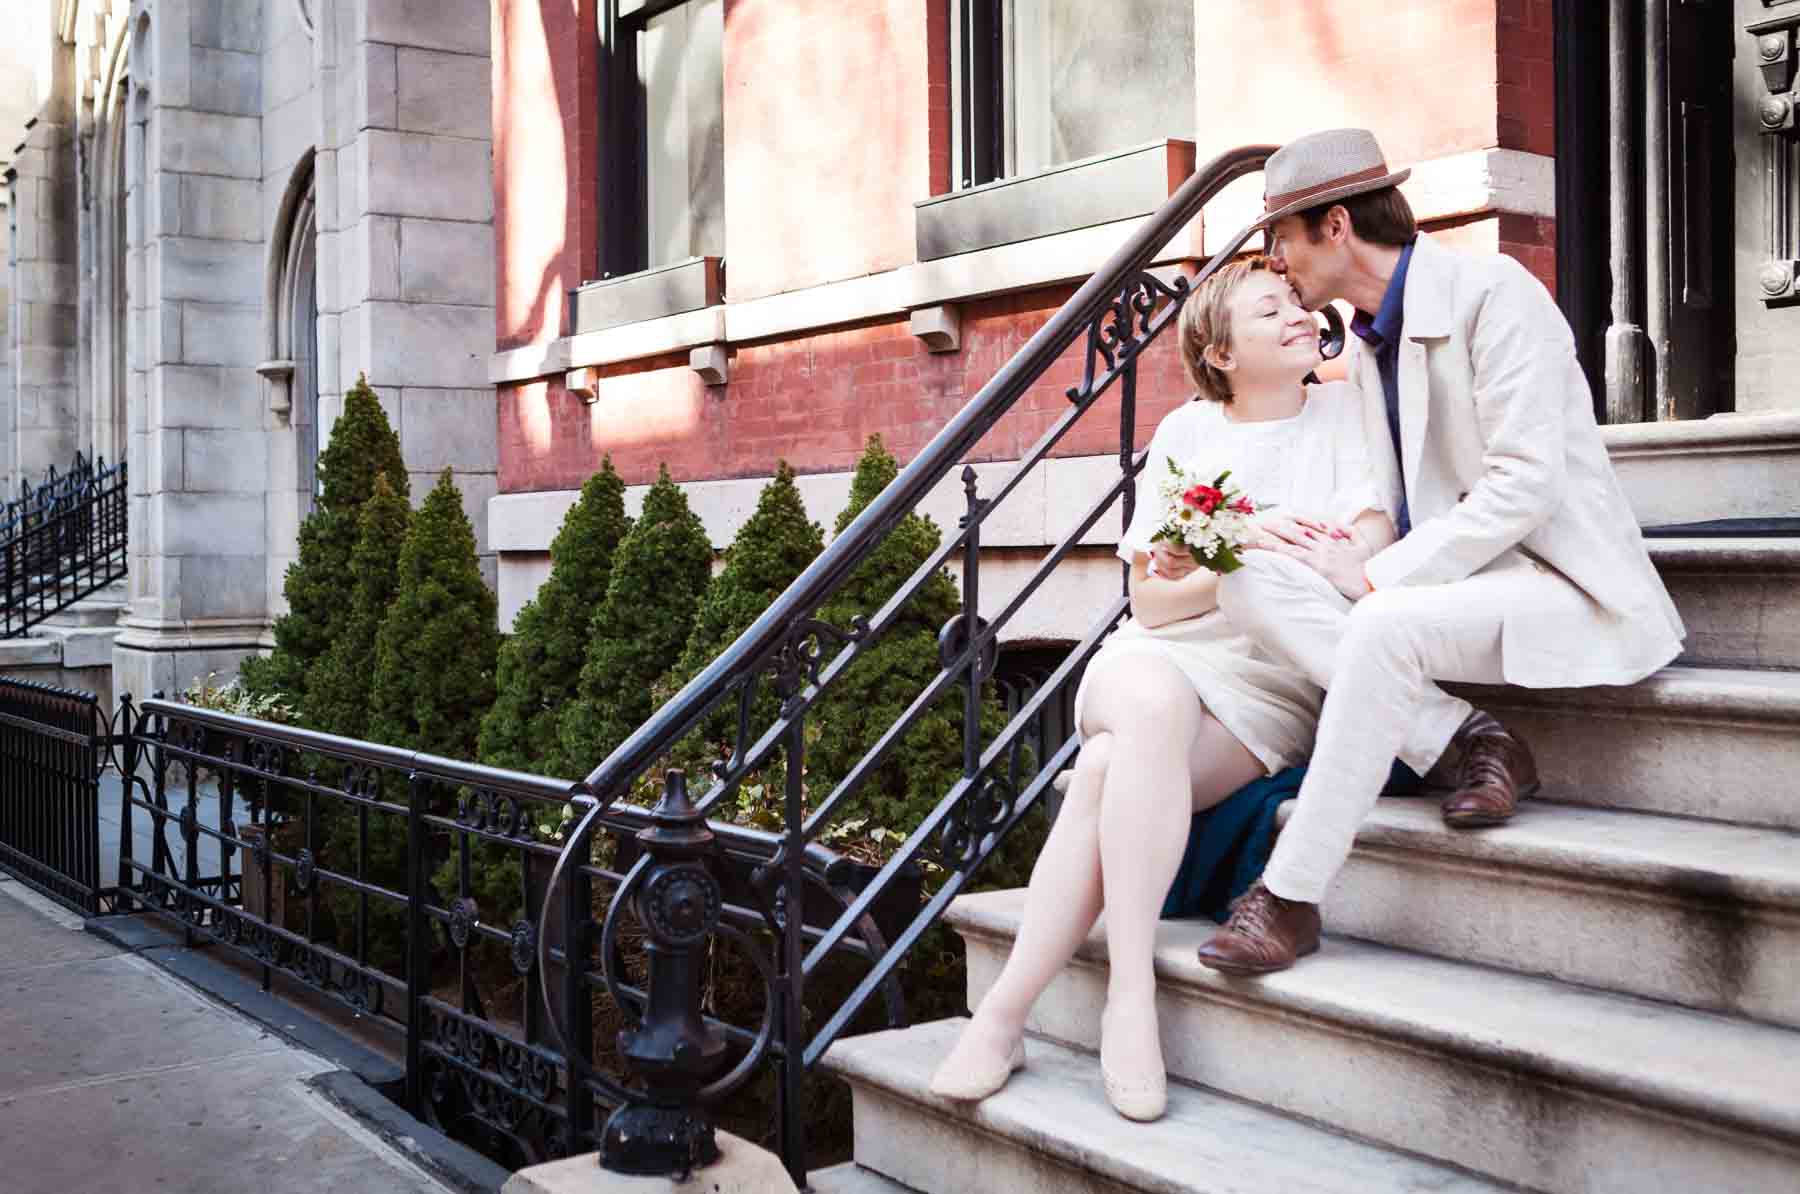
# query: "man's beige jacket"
[[1505, 468]]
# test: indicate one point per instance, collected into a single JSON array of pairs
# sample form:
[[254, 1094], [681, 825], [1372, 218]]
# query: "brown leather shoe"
[[1497, 772], [1265, 933]]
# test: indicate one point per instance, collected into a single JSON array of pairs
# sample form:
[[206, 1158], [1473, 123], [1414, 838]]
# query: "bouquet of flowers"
[[1211, 519]]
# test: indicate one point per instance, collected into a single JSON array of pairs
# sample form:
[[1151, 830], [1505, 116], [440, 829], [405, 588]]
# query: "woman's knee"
[[1090, 773], [1139, 694]]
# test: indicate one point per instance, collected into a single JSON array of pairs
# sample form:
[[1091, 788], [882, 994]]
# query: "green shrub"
[[872, 693], [659, 574], [362, 446], [771, 549], [540, 663], [337, 686], [435, 651]]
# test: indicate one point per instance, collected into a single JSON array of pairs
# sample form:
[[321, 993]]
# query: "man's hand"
[[1339, 561], [1171, 561]]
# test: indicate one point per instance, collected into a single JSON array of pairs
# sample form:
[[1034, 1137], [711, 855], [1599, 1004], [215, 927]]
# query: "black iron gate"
[[53, 745]]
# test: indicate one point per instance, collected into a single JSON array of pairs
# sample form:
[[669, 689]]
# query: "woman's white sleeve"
[[1355, 491], [1146, 516]]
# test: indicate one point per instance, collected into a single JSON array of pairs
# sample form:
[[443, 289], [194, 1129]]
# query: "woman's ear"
[[1218, 358]]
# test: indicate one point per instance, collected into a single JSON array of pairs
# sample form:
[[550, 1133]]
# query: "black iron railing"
[[1114, 317], [54, 745], [540, 948], [411, 887], [60, 541]]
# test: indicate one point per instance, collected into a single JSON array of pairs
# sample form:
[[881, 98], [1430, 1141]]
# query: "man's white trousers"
[[1378, 660]]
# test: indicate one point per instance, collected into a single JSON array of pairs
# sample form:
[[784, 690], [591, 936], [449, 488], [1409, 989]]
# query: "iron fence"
[[411, 888], [53, 748], [61, 541]]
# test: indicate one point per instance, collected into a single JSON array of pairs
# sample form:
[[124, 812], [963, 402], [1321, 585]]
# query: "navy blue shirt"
[[1381, 332]]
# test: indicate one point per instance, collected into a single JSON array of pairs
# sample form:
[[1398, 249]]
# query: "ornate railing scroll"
[[798, 652], [60, 541]]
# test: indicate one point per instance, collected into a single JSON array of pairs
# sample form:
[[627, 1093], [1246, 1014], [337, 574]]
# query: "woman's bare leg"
[[1169, 759], [1061, 904]]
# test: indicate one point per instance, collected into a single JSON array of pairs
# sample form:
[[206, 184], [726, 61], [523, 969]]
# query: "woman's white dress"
[[1314, 463]]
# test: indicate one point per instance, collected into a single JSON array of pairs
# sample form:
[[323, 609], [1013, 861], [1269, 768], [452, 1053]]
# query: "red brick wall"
[[828, 142], [814, 401], [1526, 93], [546, 154]]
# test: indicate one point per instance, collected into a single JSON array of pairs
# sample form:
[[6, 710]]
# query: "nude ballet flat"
[[1142, 1101], [971, 1085]]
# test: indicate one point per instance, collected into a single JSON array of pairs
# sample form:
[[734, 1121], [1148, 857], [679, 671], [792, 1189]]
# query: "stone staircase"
[[73, 647], [1602, 997]]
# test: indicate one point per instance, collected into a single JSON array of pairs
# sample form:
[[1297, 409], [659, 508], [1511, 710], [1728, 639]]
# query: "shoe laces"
[[1485, 763], [1252, 913]]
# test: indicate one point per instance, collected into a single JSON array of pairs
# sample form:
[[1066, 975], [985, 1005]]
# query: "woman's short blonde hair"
[[1206, 321]]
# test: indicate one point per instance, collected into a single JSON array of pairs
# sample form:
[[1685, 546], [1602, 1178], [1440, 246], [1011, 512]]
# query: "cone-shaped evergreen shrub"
[[362, 446], [871, 695], [772, 548], [658, 577], [337, 686], [435, 651], [540, 662]]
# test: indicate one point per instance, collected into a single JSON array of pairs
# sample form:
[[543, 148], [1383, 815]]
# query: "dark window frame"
[[981, 51], [624, 138]]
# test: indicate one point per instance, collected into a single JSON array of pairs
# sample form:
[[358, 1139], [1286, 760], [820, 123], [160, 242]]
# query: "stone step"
[[1554, 1087], [851, 1178], [1692, 912], [1051, 1129], [98, 609], [1740, 598], [1718, 743]]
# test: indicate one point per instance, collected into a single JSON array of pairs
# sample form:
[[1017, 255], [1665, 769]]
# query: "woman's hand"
[[1171, 561], [1158, 600], [1339, 561]]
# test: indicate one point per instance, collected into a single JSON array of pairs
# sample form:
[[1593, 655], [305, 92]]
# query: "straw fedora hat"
[[1322, 168]]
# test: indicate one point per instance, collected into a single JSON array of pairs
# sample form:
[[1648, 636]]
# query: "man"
[[1518, 559]]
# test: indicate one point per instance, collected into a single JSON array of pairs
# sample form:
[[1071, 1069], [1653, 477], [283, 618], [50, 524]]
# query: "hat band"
[[1275, 202]]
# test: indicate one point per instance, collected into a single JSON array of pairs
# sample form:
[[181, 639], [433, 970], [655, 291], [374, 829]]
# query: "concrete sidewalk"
[[116, 1077]]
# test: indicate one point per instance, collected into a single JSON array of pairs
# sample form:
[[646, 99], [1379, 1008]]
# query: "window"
[[1038, 83], [664, 133]]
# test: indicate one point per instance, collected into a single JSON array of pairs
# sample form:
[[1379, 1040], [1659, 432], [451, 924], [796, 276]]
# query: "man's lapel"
[[1427, 317]]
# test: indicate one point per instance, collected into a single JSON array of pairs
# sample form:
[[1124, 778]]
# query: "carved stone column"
[[1774, 50]]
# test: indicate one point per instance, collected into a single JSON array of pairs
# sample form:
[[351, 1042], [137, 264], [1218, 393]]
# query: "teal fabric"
[[1229, 844]]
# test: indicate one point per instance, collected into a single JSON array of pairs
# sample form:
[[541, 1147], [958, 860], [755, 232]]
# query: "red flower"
[[1243, 506], [1203, 498]]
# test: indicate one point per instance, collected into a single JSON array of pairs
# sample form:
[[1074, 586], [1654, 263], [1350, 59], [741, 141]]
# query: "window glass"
[[1088, 78], [679, 64], [1076, 79]]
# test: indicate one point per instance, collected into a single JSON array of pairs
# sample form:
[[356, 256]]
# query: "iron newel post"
[[673, 1051]]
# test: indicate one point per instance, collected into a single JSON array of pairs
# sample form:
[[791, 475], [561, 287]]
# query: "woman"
[[1177, 710]]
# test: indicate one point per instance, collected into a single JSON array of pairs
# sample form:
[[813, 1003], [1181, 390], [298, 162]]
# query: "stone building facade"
[[222, 213]]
